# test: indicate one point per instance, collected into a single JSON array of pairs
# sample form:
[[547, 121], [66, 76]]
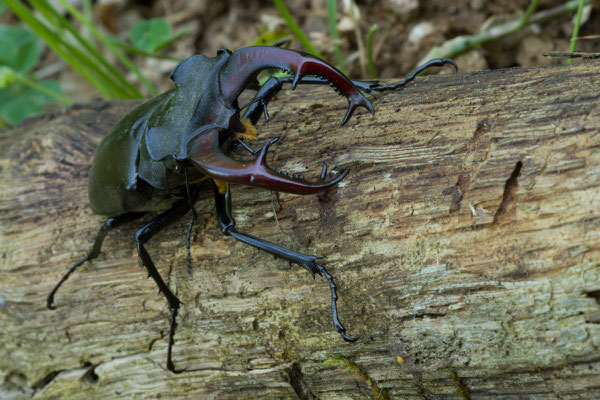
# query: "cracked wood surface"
[[464, 241]]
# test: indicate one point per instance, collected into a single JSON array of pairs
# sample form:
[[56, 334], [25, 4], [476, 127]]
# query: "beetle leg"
[[227, 225], [261, 100], [109, 224], [191, 202], [437, 62], [248, 133], [178, 210], [265, 93], [243, 66], [245, 146], [273, 85]]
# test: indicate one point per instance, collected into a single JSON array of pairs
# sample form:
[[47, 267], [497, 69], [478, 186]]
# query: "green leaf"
[[16, 110], [18, 102], [19, 48], [5, 96], [171, 40], [149, 35]]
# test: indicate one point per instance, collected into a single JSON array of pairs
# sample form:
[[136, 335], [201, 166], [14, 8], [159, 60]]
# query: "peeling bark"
[[465, 243]]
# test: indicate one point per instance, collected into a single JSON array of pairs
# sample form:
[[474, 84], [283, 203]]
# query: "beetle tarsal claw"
[[348, 338], [323, 172], [334, 172], [334, 314]]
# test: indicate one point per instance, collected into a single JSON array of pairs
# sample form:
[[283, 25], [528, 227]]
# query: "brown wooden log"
[[465, 243]]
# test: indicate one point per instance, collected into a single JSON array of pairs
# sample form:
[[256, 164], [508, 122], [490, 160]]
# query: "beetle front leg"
[[227, 225], [275, 84], [436, 62], [265, 94], [244, 65]]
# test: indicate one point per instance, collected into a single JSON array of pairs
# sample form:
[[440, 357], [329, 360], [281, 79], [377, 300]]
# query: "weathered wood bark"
[[465, 243]]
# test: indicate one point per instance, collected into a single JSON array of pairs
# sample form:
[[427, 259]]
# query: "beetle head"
[[192, 121], [237, 73]]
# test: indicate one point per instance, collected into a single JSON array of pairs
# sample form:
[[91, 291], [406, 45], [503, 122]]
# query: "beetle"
[[153, 157]]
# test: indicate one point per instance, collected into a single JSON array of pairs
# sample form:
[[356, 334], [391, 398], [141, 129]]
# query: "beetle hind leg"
[[109, 224], [227, 225]]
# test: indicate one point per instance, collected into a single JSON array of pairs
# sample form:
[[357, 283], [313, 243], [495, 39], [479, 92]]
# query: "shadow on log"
[[465, 243]]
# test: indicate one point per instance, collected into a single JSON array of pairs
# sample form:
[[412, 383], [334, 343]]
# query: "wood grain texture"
[[465, 242]]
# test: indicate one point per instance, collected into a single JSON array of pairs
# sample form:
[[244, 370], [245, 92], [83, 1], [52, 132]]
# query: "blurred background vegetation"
[[54, 53]]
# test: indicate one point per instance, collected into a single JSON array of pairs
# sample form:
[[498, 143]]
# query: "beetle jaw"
[[345, 88], [281, 181], [245, 64], [209, 159]]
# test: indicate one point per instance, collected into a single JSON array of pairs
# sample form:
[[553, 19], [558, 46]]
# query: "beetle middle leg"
[[177, 211], [227, 225], [190, 198]]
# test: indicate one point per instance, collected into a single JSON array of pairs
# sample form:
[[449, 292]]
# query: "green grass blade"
[[285, 13], [576, 28], [370, 62], [72, 55], [95, 59], [134, 50], [332, 17], [101, 37], [55, 42], [525, 18], [87, 12], [50, 93]]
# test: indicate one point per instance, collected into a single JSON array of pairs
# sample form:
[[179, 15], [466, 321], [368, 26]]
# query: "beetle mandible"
[[153, 157]]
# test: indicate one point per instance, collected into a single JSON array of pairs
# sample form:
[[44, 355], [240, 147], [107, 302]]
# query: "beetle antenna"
[[260, 100], [254, 100], [248, 148]]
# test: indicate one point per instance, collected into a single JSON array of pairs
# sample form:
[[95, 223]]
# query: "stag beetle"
[[152, 159]]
